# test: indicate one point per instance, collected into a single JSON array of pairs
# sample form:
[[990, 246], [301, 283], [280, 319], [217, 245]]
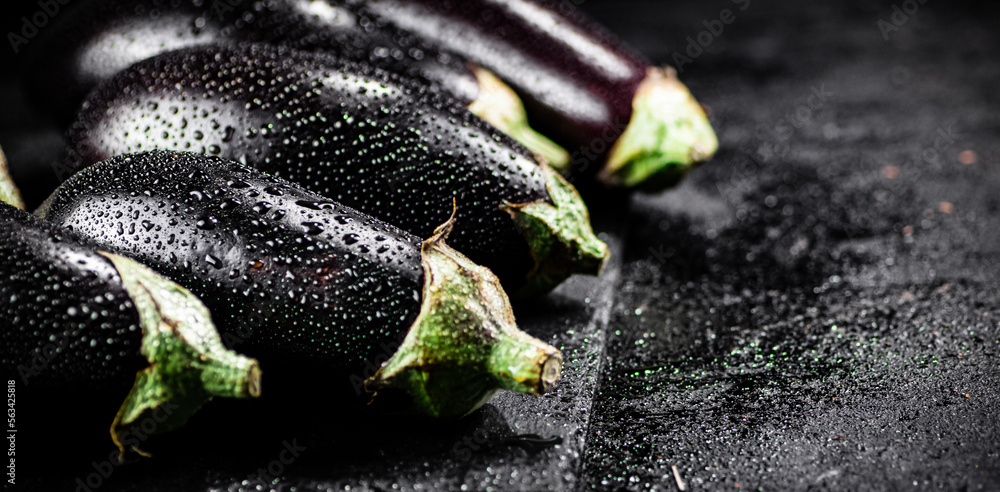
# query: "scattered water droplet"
[[215, 262], [313, 228]]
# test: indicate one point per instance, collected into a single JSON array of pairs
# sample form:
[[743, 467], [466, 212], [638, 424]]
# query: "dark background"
[[816, 308]]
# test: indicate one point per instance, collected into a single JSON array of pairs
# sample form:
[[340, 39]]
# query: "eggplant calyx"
[[559, 235], [8, 191], [188, 365], [464, 345], [667, 135], [499, 105]]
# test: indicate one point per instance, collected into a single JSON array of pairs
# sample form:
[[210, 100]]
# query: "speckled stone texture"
[[816, 308]]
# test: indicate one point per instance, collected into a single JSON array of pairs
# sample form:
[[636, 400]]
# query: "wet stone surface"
[[814, 309]]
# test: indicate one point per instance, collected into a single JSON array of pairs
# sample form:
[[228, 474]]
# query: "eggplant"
[[581, 85], [74, 315], [316, 284], [99, 38], [360, 136], [9, 193]]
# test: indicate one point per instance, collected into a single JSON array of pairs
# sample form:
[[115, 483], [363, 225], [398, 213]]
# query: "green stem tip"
[[499, 105], [464, 345], [559, 235], [188, 364], [668, 134], [8, 191]]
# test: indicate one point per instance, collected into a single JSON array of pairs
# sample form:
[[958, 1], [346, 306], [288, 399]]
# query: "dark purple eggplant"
[[99, 38], [363, 137], [73, 315], [581, 86], [319, 287]]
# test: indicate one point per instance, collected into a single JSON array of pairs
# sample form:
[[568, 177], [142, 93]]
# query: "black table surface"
[[815, 308]]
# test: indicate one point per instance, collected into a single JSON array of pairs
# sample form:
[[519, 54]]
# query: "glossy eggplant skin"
[[286, 273], [99, 38], [66, 316], [359, 136], [577, 80]]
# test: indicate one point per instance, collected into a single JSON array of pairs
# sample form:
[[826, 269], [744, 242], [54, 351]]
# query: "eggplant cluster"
[[603, 109], [318, 184]]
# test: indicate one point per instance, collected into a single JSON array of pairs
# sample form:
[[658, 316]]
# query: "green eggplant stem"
[[559, 235], [667, 135], [464, 345], [188, 364], [8, 191], [499, 105]]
